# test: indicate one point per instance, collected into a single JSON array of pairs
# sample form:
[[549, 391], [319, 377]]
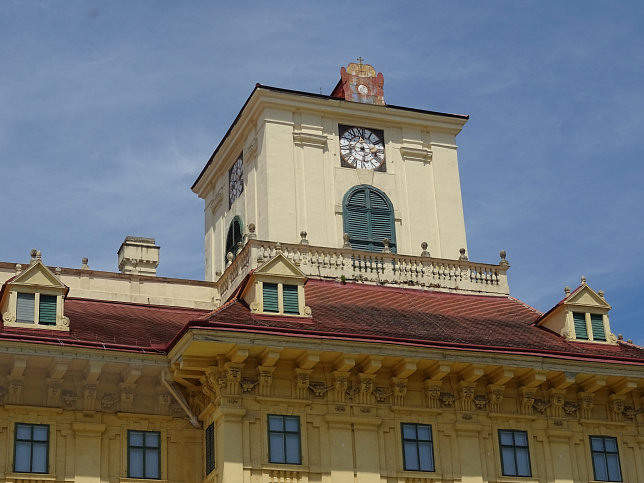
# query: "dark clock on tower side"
[[362, 147], [236, 180]]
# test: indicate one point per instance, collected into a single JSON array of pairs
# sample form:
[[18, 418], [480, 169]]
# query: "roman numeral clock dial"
[[362, 148]]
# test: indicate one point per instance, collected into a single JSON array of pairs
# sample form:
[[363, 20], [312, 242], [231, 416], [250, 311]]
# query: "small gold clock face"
[[361, 147], [236, 180]]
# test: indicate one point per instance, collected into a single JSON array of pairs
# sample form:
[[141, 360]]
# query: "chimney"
[[138, 255]]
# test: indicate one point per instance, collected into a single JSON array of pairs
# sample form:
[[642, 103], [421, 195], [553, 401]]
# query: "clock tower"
[[346, 169]]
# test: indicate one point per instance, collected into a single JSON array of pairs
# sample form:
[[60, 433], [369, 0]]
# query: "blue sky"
[[109, 110]]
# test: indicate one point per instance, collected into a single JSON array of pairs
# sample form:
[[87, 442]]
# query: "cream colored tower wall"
[[294, 180]]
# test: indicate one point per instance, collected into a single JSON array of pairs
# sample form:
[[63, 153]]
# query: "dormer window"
[[34, 298], [582, 315], [277, 288]]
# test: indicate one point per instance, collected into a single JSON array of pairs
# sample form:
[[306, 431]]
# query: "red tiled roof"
[[418, 317], [112, 325], [340, 311]]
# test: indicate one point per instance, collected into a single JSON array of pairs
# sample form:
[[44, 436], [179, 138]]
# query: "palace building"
[[341, 334]]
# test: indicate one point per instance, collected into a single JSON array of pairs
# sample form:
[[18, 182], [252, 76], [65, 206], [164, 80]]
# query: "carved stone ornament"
[[570, 408], [108, 401], [540, 405], [248, 383], [527, 400], [319, 389], [381, 394], [8, 318], [399, 389], [630, 412], [433, 392], [447, 399], [480, 401]]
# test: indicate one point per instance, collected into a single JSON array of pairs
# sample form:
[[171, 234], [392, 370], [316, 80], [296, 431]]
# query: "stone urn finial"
[[424, 253], [463, 257], [84, 265], [385, 242], [251, 231], [303, 240], [346, 238], [503, 261]]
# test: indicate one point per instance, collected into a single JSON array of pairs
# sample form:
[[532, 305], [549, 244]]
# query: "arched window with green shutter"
[[234, 236], [368, 218]]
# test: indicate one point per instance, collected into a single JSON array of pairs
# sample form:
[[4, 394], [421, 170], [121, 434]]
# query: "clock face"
[[235, 180], [363, 148]]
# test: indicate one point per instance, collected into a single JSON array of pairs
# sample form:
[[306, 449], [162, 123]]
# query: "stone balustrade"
[[389, 269]]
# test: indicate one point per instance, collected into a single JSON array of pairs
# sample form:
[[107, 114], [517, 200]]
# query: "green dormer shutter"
[[270, 297], [597, 324], [47, 310], [580, 325], [291, 303]]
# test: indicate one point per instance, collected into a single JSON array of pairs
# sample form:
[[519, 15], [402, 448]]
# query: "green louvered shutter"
[[210, 448], [356, 220], [47, 310], [25, 307], [597, 324], [270, 297], [291, 302], [381, 222], [580, 325], [368, 219]]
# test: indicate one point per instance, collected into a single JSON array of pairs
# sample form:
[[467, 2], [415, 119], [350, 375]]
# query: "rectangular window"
[[210, 448], [25, 308], [47, 310], [418, 447], [597, 324], [581, 332], [143, 454], [31, 448], [270, 297], [605, 458], [284, 439], [515, 457], [291, 303]]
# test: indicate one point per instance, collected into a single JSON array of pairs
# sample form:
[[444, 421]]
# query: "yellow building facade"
[[341, 335]]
